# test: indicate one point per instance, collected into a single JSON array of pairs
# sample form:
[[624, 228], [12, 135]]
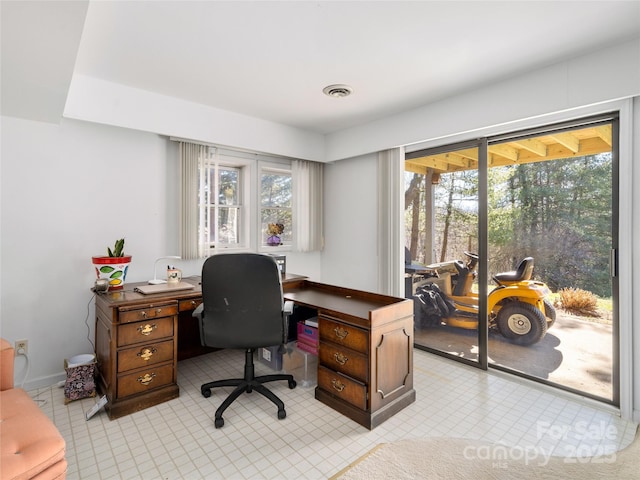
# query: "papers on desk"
[[163, 288]]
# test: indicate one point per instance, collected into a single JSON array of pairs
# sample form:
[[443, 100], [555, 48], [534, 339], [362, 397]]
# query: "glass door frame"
[[482, 144]]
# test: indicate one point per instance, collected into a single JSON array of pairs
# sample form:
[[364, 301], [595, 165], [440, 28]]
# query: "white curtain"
[[391, 222], [193, 243], [308, 226]]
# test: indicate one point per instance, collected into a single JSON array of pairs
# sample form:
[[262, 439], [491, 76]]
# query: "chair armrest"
[[6, 365], [288, 307], [287, 310], [198, 311]]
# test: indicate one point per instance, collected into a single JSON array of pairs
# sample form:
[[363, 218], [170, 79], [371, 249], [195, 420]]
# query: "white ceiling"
[[271, 60]]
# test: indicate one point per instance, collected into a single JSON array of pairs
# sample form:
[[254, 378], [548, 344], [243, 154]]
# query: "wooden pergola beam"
[[532, 145], [567, 140], [591, 141], [604, 133]]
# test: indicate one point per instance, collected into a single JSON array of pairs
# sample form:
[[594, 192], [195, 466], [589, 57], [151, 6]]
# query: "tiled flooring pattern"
[[177, 439]]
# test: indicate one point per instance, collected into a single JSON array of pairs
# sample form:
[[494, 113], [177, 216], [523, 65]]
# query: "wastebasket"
[[80, 382]]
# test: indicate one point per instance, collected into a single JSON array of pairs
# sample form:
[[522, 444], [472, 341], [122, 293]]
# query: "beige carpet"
[[454, 458]]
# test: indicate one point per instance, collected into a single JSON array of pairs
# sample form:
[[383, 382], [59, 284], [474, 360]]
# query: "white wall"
[[110, 103], [350, 215], [67, 192], [608, 74]]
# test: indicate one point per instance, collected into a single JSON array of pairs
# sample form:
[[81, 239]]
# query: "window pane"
[[277, 216], [275, 212], [228, 186], [220, 196], [228, 222], [275, 190]]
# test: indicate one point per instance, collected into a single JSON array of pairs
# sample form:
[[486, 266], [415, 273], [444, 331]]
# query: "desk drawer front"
[[190, 304], [344, 360], [145, 331], [144, 356], [145, 380], [343, 387], [343, 334], [149, 312]]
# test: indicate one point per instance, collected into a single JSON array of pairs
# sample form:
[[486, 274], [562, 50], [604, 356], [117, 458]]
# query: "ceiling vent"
[[337, 91]]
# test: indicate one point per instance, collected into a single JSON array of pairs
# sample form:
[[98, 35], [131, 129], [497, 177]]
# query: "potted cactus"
[[113, 267]]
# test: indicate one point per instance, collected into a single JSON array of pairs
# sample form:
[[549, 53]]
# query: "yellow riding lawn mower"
[[518, 307]]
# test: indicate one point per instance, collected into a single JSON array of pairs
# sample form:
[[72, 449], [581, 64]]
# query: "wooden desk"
[[365, 354]]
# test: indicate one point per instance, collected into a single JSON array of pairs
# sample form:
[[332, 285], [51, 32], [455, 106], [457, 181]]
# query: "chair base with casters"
[[247, 384]]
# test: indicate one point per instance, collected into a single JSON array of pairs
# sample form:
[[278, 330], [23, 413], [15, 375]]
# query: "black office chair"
[[242, 307]]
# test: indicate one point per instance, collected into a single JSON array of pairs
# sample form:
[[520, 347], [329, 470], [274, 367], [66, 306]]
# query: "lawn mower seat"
[[523, 272]]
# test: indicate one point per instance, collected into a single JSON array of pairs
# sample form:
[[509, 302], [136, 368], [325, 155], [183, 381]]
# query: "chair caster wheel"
[[282, 414], [206, 392], [292, 384], [219, 422]]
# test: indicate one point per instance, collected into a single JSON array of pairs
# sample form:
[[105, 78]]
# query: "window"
[[276, 223], [224, 199], [220, 200], [245, 201]]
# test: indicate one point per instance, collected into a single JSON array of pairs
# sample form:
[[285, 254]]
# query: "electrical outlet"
[[22, 347]]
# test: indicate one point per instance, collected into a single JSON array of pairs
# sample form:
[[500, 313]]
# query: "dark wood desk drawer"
[[145, 355], [342, 334], [151, 311], [344, 360], [190, 304], [343, 387], [145, 331], [144, 380]]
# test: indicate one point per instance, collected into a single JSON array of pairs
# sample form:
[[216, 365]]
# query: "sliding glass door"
[[442, 226], [556, 205], [511, 253]]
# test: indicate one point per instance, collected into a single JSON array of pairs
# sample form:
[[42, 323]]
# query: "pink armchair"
[[30, 444]]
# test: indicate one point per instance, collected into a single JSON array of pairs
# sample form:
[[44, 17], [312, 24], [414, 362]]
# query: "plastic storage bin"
[[301, 364]]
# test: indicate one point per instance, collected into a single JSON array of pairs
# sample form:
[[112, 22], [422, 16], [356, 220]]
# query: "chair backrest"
[[243, 302]]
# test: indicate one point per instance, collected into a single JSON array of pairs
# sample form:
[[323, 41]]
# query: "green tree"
[[561, 215]]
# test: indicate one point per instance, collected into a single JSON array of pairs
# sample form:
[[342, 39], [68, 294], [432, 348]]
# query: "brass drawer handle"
[[158, 310], [338, 385], [147, 329], [146, 353], [146, 379], [341, 333], [340, 358], [193, 303]]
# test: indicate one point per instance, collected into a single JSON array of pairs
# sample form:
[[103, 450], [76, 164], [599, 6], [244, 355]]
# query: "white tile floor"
[[177, 439]]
